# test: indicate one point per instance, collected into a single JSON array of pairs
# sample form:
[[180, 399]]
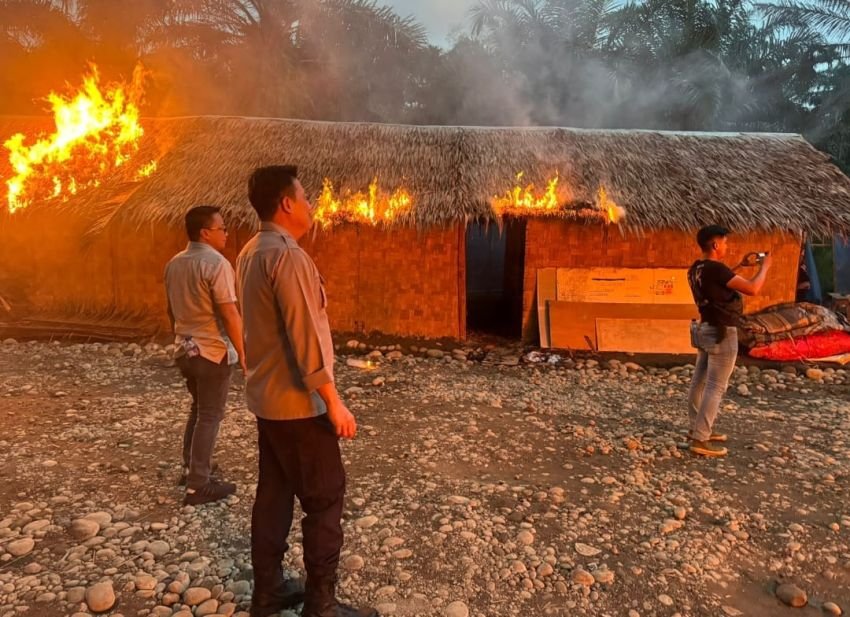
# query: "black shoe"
[[209, 492], [339, 610], [320, 601], [214, 471], [288, 594]]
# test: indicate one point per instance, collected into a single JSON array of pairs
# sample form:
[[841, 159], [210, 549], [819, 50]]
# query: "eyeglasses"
[[222, 228]]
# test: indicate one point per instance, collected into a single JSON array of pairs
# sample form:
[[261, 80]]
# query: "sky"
[[438, 16]]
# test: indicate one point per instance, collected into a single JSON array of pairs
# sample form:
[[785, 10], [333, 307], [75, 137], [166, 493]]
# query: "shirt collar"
[[199, 246], [275, 228]]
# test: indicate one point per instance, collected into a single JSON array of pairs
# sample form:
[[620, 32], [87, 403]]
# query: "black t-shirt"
[[718, 305]]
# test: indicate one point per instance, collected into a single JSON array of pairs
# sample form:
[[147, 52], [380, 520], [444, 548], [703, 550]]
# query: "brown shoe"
[[706, 448]]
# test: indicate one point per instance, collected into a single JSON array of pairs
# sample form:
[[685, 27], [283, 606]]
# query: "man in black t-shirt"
[[717, 292]]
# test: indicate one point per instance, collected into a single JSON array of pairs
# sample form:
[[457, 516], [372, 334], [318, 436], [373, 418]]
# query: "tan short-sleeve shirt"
[[197, 280], [288, 344]]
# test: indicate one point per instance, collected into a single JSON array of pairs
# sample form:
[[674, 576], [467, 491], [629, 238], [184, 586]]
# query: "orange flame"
[[612, 211], [97, 131], [527, 200], [373, 207]]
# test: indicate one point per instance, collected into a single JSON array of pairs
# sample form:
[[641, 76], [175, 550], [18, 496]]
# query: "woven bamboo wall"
[[397, 282], [552, 243], [47, 267]]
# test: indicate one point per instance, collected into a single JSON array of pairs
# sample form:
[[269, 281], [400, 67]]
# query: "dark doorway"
[[494, 277]]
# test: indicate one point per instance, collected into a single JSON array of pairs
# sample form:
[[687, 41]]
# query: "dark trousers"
[[298, 458], [208, 383]]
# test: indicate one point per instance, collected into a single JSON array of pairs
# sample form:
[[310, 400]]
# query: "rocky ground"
[[482, 482]]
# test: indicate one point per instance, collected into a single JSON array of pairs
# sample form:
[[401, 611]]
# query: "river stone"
[[353, 563], [583, 577], [84, 528], [792, 595], [19, 548], [159, 548], [145, 582], [101, 518], [76, 595], [208, 607], [832, 608], [101, 597], [196, 595], [36, 526], [457, 609]]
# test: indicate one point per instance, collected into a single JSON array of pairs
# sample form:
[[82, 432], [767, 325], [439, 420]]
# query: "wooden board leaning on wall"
[[642, 310]]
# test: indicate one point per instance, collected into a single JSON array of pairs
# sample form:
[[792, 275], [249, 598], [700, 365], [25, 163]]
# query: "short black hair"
[[197, 219], [267, 185], [709, 233]]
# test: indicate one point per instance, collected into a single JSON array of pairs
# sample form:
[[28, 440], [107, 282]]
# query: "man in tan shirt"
[[201, 292], [290, 388]]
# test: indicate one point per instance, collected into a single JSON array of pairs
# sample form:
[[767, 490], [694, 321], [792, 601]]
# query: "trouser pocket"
[[695, 334], [707, 338]]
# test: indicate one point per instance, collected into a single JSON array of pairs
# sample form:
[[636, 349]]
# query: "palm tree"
[[830, 18], [361, 61], [548, 49], [231, 56], [42, 45]]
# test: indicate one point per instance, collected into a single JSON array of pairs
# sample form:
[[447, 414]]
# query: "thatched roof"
[[663, 179]]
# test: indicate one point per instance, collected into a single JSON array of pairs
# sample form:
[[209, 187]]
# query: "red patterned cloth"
[[809, 347]]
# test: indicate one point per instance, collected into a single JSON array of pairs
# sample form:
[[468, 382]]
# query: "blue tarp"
[[814, 293], [841, 265]]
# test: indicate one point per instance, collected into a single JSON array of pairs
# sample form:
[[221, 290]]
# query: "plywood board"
[[670, 286], [572, 323], [644, 335], [546, 291], [602, 284], [623, 285]]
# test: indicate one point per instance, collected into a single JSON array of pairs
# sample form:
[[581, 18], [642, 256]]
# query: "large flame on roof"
[[97, 131], [529, 200], [613, 212], [372, 206]]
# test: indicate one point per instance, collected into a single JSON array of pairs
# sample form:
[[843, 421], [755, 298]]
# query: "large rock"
[[84, 528], [207, 607], [21, 547], [36, 526], [583, 577], [101, 597], [196, 595], [832, 608], [145, 582], [76, 595], [792, 595], [159, 548]]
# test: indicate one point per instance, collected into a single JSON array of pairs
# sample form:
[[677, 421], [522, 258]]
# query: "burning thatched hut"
[[456, 250]]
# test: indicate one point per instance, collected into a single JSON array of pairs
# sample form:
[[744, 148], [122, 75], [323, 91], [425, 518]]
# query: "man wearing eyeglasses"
[[201, 291]]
